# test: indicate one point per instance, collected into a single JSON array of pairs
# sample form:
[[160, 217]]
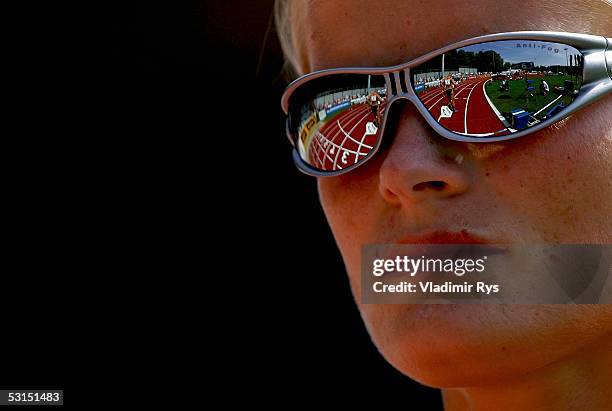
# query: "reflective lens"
[[337, 119], [499, 88]]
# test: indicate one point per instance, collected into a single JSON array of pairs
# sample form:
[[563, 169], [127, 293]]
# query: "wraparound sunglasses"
[[485, 89]]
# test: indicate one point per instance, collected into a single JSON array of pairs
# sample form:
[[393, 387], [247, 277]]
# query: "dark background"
[[200, 86], [35, 258]]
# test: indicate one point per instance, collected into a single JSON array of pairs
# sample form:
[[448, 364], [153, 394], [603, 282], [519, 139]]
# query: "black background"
[[35, 257], [198, 89]]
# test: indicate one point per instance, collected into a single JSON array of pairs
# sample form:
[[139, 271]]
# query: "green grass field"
[[506, 101]]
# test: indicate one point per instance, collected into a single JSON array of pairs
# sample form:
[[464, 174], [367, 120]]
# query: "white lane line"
[[548, 105], [431, 96], [346, 120], [439, 92], [444, 95], [495, 110], [322, 160], [344, 149], [361, 143], [343, 141], [347, 134], [322, 150], [467, 103], [331, 128], [434, 104], [351, 138], [476, 135], [349, 118], [321, 137], [483, 134], [461, 98]]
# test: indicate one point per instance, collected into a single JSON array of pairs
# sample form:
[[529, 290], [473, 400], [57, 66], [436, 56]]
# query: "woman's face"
[[554, 186]]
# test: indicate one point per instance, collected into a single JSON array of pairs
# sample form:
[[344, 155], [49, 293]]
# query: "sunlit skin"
[[554, 186]]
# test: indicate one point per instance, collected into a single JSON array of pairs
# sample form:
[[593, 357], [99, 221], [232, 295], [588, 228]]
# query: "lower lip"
[[441, 237], [441, 251]]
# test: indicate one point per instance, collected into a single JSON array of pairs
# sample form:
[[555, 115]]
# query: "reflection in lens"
[[337, 119], [499, 88]]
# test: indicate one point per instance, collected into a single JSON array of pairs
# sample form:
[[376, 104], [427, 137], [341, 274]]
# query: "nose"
[[420, 165]]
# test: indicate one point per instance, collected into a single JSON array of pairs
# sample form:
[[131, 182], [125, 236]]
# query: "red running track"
[[342, 141], [475, 116]]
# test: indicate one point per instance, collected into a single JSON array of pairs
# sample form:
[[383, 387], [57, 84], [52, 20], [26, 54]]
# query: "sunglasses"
[[485, 89]]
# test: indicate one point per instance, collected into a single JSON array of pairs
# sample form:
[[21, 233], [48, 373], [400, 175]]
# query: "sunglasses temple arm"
[[608, 55], [288, 132]]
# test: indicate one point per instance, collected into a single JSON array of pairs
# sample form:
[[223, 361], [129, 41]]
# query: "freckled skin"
[[551, 187]]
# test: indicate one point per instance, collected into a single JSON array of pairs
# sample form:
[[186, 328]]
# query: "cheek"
[[340, 205], [559, 182], [355, 212], [352, 203]]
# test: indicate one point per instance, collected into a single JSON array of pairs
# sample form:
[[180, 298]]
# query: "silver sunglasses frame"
[[596, 82]]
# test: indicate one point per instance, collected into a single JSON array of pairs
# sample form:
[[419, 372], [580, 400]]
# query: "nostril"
[[433, 185]]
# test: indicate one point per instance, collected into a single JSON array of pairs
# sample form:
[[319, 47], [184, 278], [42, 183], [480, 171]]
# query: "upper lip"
[[444, 237]]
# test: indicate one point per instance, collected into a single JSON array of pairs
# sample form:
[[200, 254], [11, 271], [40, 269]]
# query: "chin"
[[468, 345]]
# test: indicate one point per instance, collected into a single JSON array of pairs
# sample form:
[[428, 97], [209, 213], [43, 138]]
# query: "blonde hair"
[[282, 19]]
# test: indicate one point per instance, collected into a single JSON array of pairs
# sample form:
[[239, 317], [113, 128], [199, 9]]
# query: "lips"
[[444, 237], [448, 244]]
